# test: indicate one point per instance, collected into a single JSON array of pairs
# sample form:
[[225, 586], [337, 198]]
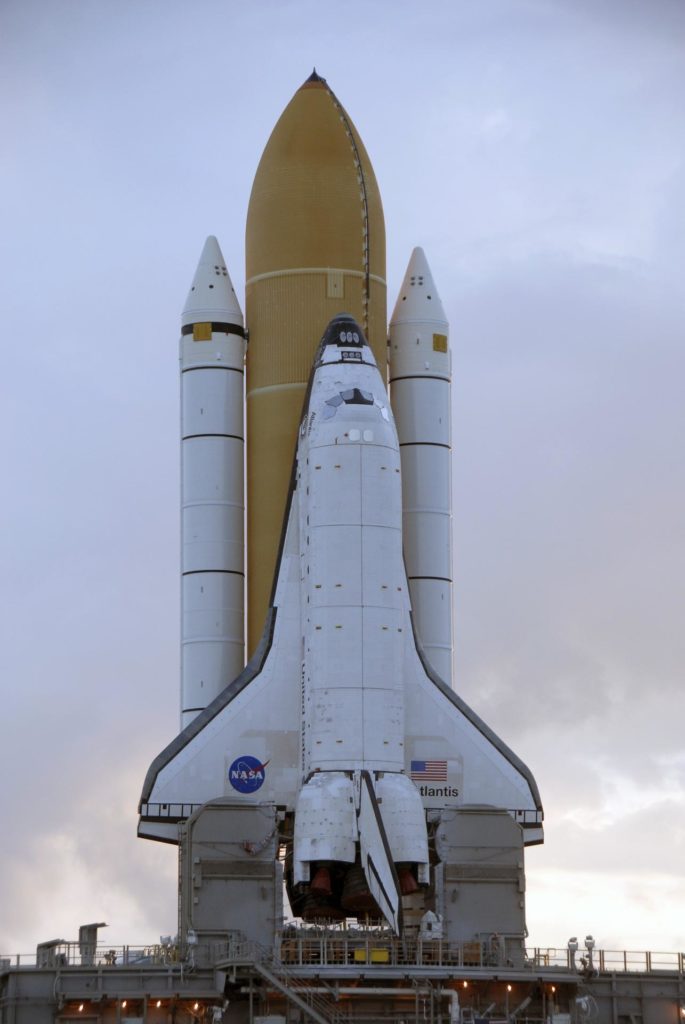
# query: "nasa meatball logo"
[[247, 774]]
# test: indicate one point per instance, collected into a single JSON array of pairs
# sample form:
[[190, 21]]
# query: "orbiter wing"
[[246, 743], [455, 758]]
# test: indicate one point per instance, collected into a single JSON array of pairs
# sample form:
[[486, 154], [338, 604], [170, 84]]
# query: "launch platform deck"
[[337, 977]]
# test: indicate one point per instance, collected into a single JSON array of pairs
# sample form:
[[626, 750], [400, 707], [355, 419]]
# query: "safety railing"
[[73, 954], [607, 960], [307, 947]]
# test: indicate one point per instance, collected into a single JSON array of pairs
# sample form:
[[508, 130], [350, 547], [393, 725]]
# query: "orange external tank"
[[315, 247]]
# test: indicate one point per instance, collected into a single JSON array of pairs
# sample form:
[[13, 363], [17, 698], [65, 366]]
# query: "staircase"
[[317, 1007]]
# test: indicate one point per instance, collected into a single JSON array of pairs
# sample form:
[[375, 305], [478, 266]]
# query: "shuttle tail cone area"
[[420, 385], [212, 352]]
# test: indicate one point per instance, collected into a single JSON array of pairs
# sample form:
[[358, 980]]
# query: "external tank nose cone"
[[315, 209]]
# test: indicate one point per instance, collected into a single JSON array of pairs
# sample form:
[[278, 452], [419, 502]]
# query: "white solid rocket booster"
[[420, 384], [212, 491]]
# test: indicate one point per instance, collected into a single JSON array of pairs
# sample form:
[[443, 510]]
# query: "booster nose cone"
[[212, 297], [418, 300]]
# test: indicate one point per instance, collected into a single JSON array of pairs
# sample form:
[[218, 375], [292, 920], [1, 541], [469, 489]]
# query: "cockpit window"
[[352, 396]]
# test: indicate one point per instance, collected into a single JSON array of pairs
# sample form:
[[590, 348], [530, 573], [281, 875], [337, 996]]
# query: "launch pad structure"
[[351, 834], [339, 976]]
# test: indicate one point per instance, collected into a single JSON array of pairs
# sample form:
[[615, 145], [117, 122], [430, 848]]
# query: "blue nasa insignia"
[[247, 774]]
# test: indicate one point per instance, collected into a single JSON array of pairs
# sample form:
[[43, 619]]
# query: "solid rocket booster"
[[420, 386], [212, 501], [314, 245]]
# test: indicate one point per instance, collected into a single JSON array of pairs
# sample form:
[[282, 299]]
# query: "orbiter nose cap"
[[418, 299], [212, 297], [343, 331], [343, 341]]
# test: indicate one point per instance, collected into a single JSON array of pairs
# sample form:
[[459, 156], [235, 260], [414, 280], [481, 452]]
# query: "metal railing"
[[608, 960], [302, 948], [72, 954], [307, 947]]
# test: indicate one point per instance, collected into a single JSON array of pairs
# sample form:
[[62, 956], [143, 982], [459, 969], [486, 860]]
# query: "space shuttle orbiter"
[[339, 718]]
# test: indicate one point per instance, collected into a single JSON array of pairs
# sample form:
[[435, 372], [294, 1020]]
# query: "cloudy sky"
[[536, 149]]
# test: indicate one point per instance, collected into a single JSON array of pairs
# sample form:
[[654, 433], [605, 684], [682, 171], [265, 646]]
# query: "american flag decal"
[[428, 771]]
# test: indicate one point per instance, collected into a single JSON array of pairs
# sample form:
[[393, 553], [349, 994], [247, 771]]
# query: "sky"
[[536, 150]]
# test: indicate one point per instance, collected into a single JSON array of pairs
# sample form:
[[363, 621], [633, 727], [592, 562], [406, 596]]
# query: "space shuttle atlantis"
[[344, 717]]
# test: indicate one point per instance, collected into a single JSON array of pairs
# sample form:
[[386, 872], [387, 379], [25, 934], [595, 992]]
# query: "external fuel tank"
[[315, 245]]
